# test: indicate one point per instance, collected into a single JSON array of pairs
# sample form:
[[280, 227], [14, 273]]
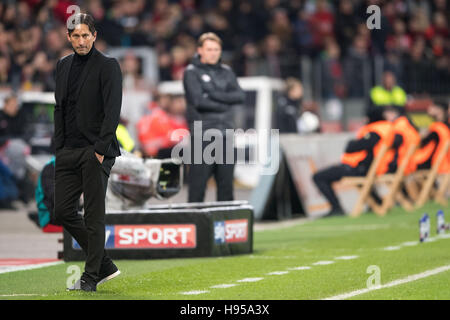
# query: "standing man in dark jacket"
[[211, 90], [88, 101]]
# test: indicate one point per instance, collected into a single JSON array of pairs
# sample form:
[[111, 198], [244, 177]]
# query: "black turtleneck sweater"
[[73, 137]]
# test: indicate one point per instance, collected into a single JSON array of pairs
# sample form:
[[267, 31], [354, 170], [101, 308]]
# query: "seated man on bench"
[[356, 160], [434, 141]]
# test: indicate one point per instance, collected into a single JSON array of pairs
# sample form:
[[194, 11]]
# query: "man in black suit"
[[88, 100]]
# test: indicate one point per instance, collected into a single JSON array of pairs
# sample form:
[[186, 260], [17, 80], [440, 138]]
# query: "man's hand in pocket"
[[99, 157]]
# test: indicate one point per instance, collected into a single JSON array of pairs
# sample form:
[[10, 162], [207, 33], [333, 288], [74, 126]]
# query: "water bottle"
[[424, 227], [440, 220]]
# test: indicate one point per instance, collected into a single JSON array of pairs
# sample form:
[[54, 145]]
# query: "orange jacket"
[[384, 129], [432, 149], [410, 137]]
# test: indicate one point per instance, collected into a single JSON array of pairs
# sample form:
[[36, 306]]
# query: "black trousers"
[[324, 179], [222, 171], [77, 171], [199, 175]]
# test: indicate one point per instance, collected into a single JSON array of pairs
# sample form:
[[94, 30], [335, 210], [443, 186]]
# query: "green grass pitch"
[[338, 252]]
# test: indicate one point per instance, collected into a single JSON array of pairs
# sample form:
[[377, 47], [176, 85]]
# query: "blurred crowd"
[[265, 37], [260, 37]]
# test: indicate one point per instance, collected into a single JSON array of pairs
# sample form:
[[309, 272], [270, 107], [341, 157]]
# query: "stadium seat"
[[365, 184], [393, 182], [428, 178]]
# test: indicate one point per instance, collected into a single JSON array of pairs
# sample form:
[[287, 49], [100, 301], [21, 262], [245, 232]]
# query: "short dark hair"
[[80, 18]]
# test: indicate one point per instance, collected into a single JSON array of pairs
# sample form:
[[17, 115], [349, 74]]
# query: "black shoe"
[[108, 271], [88, 285], [85, 284], [335, 212]]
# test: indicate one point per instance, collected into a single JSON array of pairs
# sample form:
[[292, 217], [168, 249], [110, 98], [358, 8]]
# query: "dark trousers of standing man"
[[77, 170], [223, 171]]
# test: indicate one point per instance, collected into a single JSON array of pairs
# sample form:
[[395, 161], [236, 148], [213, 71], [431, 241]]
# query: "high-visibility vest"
[[384, 129], [124, 138], [410, 136], [431, 150], [382, 97]]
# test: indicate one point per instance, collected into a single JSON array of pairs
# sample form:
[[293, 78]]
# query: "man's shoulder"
[[105, 56], [191, 67], [225, 67], [66, 58]]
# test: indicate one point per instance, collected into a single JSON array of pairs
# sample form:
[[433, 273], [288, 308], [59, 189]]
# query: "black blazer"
[[98, 104]]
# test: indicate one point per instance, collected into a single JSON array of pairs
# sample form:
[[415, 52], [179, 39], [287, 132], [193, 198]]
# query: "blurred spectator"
[[272, 56], [417, 69], [346, 22], [302, 33], [132, 73], [248, 62], [179, 62], [8, 188], [12, 121], [399, 41], [322, 21], [261, 37], [288, 107], [389, 94], [280, 26], [156, 128], [13, 146], [356, 63], [333, 84]]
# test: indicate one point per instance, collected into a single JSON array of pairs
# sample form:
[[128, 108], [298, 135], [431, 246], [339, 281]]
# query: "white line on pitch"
[[23, 295], [30, 267], [300, 268], [277, 273], [322, 263], [394, 283], [392, 248], [346, 258], [250, 279], [410, 243], [223, 286], [194, 292]]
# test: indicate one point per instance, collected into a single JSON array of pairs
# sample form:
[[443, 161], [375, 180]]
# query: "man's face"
[[210, 52], [11, 107], [82, 39], [390, 115], [437, 113], [389, 80]]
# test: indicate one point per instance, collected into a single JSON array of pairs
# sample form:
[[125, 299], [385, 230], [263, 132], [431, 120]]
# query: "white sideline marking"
[[223, 286], [394, 283], [392, 248], [274, 257], [410, 243], [322, 263], [29, 267], [250, 279], [194, 292], [414, 243], [299, 268], [346, 258], [23, 295], [277, 273]]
